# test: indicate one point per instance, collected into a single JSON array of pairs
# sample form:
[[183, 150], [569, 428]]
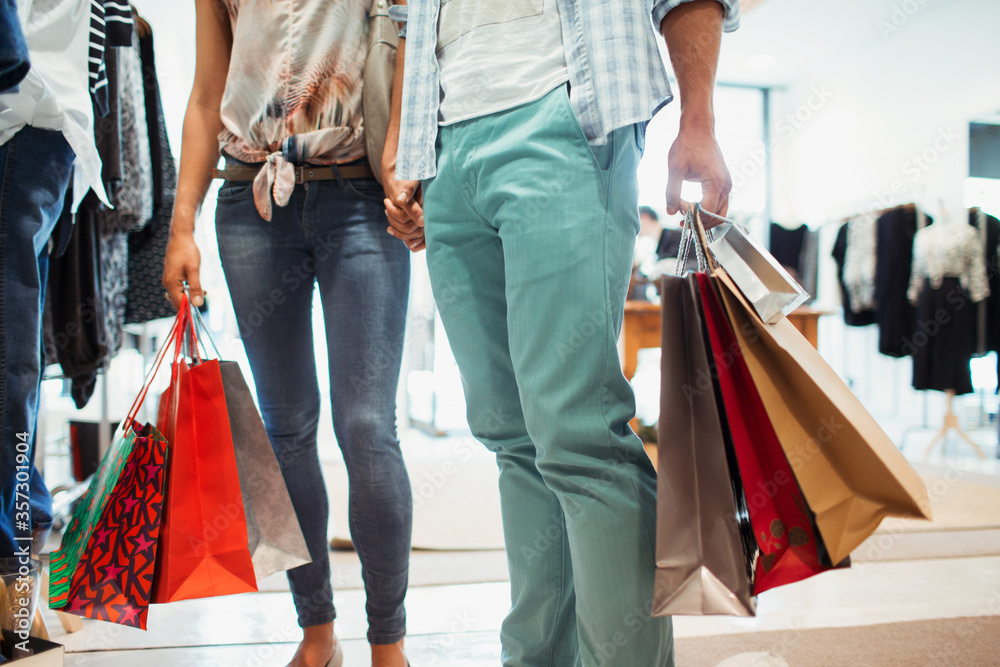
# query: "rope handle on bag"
[[194, 345], [191, 344], [694, 234], [155, 368], [183, 334], [198, 323]]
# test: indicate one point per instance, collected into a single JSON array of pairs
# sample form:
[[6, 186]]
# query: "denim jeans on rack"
[[35, 167], [332, 236]]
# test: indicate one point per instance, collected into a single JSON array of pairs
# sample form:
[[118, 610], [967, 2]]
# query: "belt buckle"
[[300, 175]]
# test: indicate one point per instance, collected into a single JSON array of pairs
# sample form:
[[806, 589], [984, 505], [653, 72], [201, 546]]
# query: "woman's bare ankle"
[[316, 648], [388, 655]]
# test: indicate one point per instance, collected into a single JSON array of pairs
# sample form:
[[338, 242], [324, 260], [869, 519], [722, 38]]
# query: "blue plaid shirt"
[[616, 74]]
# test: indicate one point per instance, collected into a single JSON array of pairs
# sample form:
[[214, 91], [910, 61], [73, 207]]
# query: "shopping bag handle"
[[198, 325], [190, 334], [694, 234], [175, 330]]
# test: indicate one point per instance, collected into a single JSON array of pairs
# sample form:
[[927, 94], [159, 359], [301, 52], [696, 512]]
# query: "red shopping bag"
[[203, 549], [789, 546]]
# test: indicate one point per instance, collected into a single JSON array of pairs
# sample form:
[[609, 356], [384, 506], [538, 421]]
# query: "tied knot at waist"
[[276, 177]]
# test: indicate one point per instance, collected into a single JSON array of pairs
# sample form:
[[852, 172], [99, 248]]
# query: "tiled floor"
[[457, 600]]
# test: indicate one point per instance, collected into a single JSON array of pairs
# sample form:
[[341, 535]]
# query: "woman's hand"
[[182, 264]]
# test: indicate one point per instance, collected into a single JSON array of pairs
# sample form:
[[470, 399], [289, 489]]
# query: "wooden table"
[[641, 329]]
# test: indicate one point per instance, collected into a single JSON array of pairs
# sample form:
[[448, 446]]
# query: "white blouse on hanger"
[[949, 250], [860, 260]]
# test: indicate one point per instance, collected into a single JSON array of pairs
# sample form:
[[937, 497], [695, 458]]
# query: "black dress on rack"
[[895, 315], [797, 249], [949, 281], [943, 346], [991, 308]]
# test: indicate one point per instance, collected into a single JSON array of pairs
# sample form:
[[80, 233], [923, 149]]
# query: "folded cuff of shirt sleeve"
[[400, 14], [730, 8]]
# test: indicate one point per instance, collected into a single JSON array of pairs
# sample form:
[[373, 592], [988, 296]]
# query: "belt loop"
[[337, 174]]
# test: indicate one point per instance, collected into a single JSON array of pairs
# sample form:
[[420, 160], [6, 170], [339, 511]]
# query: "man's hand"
[[693, 32], [182, 264], [695, 156]]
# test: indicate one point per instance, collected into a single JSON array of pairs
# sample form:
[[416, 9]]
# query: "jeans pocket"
[[366, 188], [231, 190]]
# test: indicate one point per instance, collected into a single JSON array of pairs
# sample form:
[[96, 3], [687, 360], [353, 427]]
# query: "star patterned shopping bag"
[[115, 573]]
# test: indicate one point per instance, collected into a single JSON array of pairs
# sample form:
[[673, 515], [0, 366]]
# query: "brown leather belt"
[[302, 174]]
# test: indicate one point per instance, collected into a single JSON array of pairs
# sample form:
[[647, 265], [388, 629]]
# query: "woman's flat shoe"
[[337, 660]]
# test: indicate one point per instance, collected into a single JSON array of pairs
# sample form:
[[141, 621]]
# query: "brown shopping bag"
[[852, 475], [702, 564]]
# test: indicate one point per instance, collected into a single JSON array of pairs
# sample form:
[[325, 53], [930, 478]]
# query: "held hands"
[[404, 209], [182, 263], [695, 156]]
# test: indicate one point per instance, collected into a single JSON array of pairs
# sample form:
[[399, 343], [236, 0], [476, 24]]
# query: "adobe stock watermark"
[[609, 648], [18, 607], [433, 481], [877, 547], [915, 167], [591, 324], [899, 16], [785, 129], [440, 650], [928, 328], [719, 361], [969, 632]]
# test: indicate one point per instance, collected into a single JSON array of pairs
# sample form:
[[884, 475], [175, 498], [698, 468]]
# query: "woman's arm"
[[199, 148], [403, 205]]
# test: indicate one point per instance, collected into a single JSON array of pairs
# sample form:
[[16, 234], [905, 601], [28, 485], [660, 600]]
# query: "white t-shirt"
[[55, 95], [496, 55]]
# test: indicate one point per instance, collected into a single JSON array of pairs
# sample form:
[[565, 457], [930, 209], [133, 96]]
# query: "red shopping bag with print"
[[113, 579], [790, 547], [203, 549]]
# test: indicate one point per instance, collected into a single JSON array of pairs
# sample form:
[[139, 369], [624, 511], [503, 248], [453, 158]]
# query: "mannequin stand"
[[951, 423]]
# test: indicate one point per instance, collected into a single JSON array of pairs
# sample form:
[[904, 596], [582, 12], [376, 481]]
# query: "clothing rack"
[[874, 214]]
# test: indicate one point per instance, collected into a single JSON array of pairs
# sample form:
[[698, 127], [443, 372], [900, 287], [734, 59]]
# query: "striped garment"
[[110, 24], [617, 76]]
